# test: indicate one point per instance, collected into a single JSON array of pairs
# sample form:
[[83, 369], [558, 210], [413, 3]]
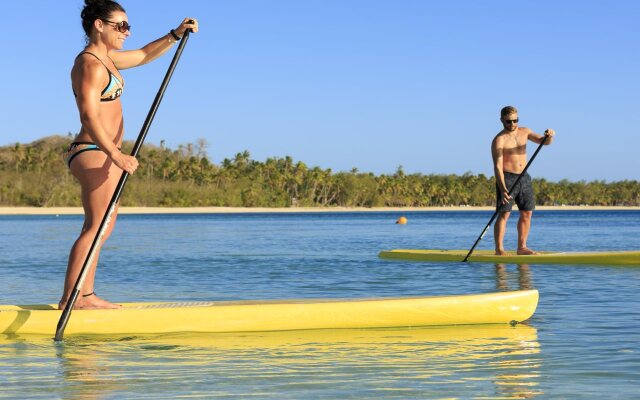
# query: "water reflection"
[[504, 277], [520, 385], [473, 361], [87, 372]]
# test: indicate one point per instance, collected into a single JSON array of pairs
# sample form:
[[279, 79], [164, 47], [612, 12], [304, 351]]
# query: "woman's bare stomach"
[[112, 122]]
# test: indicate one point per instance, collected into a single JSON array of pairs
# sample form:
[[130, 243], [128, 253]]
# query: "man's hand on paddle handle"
[[506, 197], [549, 133]]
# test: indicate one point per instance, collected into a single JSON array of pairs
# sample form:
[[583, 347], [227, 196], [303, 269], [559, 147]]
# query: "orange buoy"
[[401, 220]]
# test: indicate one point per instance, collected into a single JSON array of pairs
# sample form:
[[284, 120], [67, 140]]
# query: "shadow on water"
[[493, 361]]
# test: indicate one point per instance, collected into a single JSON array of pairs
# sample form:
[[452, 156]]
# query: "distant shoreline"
[[287, 210]]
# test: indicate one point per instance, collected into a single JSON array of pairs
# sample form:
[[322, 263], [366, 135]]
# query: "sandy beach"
[[237, 210]]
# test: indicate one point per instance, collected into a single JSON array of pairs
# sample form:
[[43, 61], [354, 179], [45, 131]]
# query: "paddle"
[[66, 313], [495, 214]]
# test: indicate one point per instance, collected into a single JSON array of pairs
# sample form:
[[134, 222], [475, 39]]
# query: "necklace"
[[515, 139]]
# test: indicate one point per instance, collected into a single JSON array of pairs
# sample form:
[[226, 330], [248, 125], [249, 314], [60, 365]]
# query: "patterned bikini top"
[[114, 88]]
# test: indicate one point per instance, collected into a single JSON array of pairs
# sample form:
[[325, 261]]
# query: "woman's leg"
[[98, 177]]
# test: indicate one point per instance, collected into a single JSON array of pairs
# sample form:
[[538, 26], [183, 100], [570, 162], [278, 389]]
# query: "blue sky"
[[355, 83]]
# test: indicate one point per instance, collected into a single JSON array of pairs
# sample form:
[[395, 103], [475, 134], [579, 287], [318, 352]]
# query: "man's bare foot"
[[523, 251], [90, 302], [501, 253]]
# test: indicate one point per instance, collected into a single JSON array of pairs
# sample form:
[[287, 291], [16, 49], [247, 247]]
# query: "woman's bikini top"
[[114, 88]]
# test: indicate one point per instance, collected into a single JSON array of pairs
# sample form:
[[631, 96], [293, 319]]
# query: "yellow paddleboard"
[[488, 256], [254, 316]]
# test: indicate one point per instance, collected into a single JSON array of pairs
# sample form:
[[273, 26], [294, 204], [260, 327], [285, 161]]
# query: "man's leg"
[[499, 229], [524, 225]]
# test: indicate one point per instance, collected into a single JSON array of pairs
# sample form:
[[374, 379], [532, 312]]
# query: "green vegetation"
[[34, 174]]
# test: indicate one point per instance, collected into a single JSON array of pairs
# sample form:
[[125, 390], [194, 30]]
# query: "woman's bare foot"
[[523, 251], [89, 302], [501, 253]]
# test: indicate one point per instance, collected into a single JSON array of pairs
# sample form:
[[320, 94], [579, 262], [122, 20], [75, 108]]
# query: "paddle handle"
[[495, 214], [66, 313]]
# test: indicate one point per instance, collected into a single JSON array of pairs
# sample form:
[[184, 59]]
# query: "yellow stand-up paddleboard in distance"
[[488, 256], [255, 316]]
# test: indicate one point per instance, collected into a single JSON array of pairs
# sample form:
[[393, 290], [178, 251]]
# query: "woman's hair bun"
[[93, 2], [97, 9]]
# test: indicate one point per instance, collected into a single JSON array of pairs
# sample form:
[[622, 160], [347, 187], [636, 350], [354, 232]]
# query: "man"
[[509, 152]]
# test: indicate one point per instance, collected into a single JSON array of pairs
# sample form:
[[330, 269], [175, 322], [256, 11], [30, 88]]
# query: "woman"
[[94, 157]]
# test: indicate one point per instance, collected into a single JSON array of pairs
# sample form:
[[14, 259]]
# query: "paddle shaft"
[[66, 313], [495, 214]]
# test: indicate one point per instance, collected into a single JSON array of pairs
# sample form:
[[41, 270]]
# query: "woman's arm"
[[87, 77], [134, 58]]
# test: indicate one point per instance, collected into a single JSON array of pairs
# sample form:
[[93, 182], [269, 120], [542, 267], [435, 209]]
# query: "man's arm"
[[537, 138], [497, 151]]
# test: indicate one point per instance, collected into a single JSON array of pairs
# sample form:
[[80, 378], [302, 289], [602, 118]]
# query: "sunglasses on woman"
[[122, 26]]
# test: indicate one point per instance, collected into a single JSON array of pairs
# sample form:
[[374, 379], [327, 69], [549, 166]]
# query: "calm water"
[[583, 341]]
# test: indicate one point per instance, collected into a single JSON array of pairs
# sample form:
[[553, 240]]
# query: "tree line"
[[34, 174]]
